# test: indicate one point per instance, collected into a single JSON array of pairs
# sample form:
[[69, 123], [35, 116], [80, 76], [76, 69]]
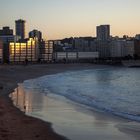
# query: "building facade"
[[21, 51], [121, 48], [30, 50]]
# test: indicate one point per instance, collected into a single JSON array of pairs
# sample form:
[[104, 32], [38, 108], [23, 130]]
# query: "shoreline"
[[28, 127], [81, 122]]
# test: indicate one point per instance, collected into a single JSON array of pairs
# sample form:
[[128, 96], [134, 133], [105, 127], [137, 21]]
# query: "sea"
[[115, 90]]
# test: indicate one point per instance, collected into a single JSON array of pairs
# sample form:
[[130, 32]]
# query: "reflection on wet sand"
[[69, 119], [19, 99], [27, 101]]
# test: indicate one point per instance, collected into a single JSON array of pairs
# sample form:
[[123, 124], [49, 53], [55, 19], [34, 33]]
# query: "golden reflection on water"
[[22, 99]]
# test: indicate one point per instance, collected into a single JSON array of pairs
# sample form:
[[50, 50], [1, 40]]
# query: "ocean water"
[[110, 89]]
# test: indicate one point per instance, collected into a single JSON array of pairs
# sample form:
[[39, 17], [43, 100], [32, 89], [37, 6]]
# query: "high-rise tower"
[[103, 32], [20, 28]]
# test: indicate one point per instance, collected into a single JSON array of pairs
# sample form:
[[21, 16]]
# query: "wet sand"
[[79, 122], [14, 125]]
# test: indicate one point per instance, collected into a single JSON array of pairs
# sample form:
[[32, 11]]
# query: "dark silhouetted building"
[[35, 34], [103, 32], [20, 28], [137, 49], [6, 36], [1, 51], [6, 31], [137, 37]]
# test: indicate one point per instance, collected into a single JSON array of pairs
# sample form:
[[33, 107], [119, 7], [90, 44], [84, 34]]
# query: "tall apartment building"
[[103, 32], [20, 28]]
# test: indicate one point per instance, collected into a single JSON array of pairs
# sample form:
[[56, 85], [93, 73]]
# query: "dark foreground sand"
[[14, 125]]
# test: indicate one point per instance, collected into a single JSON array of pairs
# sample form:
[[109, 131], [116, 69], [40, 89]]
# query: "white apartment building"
[[121, 48]]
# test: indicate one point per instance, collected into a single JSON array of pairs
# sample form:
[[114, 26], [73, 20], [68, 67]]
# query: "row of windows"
[[19, 52]]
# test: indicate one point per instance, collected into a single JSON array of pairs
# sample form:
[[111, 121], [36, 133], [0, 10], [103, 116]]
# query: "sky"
[[58, 19]]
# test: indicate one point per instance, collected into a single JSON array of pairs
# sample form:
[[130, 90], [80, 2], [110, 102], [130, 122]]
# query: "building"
[[137, 37], [46, 51], [103, 32], [6, 31], [116, 48], [75, 56], [137, 49], [25, 50], [129, 48], [29, 49], [20, 28], [103, 47], [80, 44], [9, 38], [35, 34], [5, 41], [1, 51], [87, 44], [6, 36], [121, 48], [137, 46], [41, 43]]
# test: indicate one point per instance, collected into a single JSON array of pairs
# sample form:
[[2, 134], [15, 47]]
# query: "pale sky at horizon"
[[65, 18]]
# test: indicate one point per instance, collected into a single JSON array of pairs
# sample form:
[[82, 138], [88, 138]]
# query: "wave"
[[115, 91]]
